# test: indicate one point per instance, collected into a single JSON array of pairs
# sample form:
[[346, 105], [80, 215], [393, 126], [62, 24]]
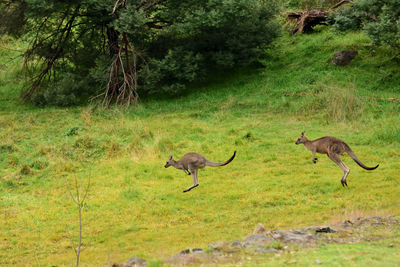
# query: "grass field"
[[135, 207]]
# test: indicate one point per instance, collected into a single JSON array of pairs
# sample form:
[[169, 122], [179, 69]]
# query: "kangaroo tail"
[[217, 164], [354, 157]]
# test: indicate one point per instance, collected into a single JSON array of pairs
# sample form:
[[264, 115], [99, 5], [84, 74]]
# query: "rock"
[[347, 223], [350, 231], [186, 251], [266, 250], [344, 57], [133, 262], [325, 230], [197, 250], [188, 256], [137, 262], [237, 243], [292, 236], [258, 239], [189, 250], [260, 229], [217, 245]]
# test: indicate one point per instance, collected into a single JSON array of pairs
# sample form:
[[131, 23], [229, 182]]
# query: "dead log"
[[306, 20]]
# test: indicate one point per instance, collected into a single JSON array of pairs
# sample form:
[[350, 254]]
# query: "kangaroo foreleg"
[[314, 159]]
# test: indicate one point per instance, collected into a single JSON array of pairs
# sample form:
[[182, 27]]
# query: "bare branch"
[[122, 82], [341, 3], [115, 6], [86, 192], [50, 62]]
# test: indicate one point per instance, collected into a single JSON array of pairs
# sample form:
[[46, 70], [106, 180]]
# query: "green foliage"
[[12, 17], [155, 263], [171, 73], [380, 19], [136, 207], [277, 245], [309, 4], [174, 43], [335, 103]]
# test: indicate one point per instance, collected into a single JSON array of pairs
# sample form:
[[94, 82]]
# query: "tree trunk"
[[113, 39], [306, 20]]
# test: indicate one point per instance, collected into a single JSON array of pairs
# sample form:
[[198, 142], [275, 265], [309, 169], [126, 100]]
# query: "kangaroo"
[[333, 147], [190, 163]]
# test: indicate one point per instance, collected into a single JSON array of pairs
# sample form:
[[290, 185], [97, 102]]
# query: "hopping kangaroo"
[[333, 147], [190, 163]]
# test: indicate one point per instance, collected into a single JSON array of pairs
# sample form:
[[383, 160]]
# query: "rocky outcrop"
[[260, 229], [344, 57], [275, 241], [133, 262]]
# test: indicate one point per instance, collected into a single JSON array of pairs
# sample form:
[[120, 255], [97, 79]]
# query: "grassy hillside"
[[136, 207]]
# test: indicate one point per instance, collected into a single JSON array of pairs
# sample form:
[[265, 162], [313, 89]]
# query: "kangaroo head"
[[302, 139], [170, 161]]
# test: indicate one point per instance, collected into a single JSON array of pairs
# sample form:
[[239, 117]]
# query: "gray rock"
[[266, 250], [237, 243], [197, 251], [186, 251], [292, 236], [311, 228], [217, 245], [260, 229], [133, 262], [325, 230], [344, 57], [347, 223], [258, 239], [137, 262], [190, 250]]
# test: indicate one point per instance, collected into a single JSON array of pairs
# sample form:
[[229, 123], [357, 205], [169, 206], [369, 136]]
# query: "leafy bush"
[[68, 90], [380, 19], [309, 4], [170, 43]]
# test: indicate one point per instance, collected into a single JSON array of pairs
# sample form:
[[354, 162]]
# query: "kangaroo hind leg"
[[193, 171], [346, 170]]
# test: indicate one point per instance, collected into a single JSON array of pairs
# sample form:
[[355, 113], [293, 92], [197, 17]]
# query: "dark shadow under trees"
[[112, 51]]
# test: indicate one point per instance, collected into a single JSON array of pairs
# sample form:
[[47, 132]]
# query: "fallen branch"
[[306, 20]]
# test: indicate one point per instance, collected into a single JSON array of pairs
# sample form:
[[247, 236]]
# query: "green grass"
[[362, 254], [136, 207]]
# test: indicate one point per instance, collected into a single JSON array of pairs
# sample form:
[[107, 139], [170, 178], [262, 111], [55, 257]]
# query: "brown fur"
[[190, 163], [334, 148]]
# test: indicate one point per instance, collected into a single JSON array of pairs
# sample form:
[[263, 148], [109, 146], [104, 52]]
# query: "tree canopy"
[[116, 50]]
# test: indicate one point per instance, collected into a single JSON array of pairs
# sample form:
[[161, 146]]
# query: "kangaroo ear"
[[302, 134], [171, 157]]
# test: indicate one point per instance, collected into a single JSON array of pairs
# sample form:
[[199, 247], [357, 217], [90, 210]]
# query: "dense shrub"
[[309, 4], [380, 19], [170, 43]]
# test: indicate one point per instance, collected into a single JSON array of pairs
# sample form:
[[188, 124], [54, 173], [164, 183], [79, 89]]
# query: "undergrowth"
[[136, 207]]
